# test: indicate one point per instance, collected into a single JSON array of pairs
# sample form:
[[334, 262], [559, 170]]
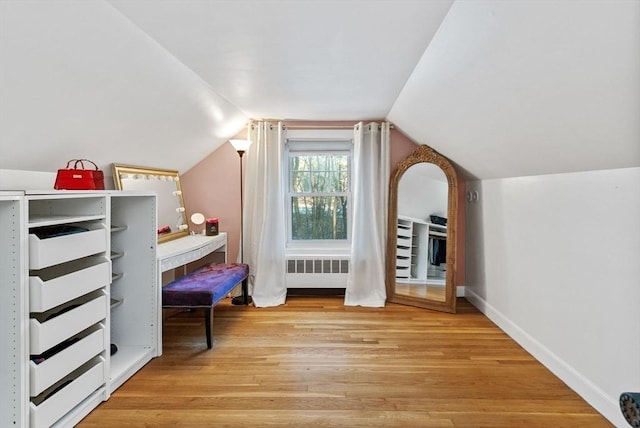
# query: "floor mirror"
[[421, 253]]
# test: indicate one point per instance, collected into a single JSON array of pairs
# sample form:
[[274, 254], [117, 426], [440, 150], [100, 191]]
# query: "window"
[[319, 186], [319, 192]]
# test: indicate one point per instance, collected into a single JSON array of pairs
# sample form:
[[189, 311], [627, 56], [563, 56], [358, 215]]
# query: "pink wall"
[[212, 187], [402, 146]]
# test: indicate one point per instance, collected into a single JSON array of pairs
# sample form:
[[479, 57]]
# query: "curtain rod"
[[320, 126], [324, 126]]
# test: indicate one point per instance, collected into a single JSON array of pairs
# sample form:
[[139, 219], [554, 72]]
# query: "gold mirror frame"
[[166, 201], [423, 154]]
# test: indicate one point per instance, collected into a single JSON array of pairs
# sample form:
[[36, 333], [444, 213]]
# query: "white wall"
[[554, 260], [79, 80], [26, 180], [15, 179], [529, 87], [423, 179], [434, 200]]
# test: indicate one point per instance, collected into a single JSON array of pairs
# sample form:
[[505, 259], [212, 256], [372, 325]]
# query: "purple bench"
[[204, 288]]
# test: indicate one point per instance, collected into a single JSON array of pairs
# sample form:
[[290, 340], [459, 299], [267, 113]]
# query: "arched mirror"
[[421, 253], [172, 219]]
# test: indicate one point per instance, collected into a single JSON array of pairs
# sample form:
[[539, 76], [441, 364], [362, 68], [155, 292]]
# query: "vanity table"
[[181, 251]]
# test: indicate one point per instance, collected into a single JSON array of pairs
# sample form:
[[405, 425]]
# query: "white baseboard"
[[460, 291], [607, 406]]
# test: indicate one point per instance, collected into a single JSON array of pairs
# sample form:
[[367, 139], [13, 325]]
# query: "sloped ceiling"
[[517, 88], [314, 60], [502, 88], [77, 79]]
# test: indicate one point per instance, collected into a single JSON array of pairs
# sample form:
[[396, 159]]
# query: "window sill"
[[344, 252]]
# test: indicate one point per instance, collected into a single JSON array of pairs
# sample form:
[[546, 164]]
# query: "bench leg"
[[208, 320], [244, 299], [245, 291]]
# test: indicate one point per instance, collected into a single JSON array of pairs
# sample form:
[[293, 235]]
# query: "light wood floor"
[[316, 363], [426, 291]]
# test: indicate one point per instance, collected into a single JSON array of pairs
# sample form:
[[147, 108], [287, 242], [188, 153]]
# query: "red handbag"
[[79, 178]]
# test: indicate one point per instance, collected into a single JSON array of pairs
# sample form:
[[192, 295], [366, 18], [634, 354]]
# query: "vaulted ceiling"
[[502, 88]]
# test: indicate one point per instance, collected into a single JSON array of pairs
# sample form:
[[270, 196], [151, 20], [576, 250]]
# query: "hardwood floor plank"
[[276, 418], [314, 362]]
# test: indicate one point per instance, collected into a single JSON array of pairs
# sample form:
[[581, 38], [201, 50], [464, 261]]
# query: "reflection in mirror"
[[421, 234], [172, 219]]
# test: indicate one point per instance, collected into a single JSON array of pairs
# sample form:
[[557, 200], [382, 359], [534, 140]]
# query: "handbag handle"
[[81, 162]]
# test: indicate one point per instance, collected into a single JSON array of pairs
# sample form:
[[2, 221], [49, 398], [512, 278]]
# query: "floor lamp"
[[241, 147]]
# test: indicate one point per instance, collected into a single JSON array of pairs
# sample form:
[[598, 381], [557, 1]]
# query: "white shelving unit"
[[14, 311], [413, 251], [135, 307], [68, 271], [405, 243], [55, 307]]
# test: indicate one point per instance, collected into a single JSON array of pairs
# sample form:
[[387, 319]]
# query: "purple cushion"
[[204, 287]]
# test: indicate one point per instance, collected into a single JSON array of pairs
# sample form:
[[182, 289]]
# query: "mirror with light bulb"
[[172, 218]]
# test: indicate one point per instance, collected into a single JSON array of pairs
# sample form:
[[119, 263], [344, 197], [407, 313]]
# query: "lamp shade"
[[240, 145]]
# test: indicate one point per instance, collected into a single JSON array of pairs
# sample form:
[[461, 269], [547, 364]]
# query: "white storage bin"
[[48, 372], [44, 335], [60, 249], [59, 284], [53, 408]]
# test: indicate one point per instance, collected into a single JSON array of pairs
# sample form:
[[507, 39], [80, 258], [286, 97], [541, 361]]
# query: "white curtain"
[[366, 279], [264, 219]]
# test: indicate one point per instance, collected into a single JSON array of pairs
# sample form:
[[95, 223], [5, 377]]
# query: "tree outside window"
[[319, 192]]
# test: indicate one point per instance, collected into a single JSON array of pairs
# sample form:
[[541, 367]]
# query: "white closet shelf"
[[52, 220]]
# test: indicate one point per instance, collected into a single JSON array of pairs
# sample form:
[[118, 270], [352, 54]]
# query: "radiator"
[[317, 272]]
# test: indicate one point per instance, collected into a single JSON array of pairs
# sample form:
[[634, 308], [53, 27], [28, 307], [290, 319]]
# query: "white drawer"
[[403, 263], [404, 233], [54, 368], [404, 241], [44, 335], [403, 252], [59, 284], [60, 249], [57, 405], [402, 272]]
